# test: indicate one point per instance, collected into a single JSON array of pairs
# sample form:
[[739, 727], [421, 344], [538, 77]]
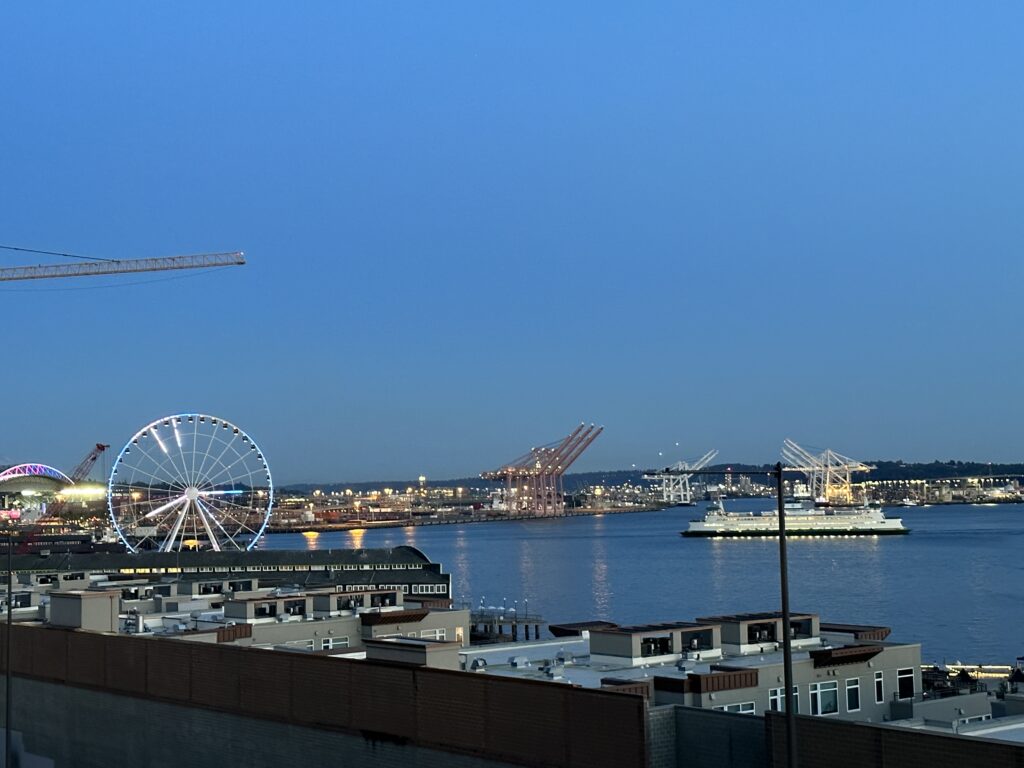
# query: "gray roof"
[[114, 561]]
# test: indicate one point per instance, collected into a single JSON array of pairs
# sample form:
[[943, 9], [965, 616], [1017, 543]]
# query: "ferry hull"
[[708, 534]]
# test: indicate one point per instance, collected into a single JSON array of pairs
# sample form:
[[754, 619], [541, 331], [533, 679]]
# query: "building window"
[[328, 643], [879, 689], [777, 699], [853, 694], [434, 634], [905, 683], [746, 708], [824, 698]]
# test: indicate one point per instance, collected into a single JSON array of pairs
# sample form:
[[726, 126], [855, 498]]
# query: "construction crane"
[[675, 480], [119, 266], [78, 474], [828, 473]]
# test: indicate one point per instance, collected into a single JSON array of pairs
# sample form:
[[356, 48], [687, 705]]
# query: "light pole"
[[7, 651], [787, 647]]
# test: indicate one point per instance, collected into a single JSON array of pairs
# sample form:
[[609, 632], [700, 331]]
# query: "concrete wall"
[[805, 673], [96, 611], [613, 644], [830, 743], [948, 710], [285, 632], [450, 621], [661, 737], [707, 739]]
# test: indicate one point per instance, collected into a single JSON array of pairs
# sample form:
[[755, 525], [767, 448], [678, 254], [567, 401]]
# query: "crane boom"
[[56, 507], [122, 266]]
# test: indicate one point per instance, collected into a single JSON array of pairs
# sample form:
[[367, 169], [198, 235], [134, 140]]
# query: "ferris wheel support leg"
[[206, 524], [168, 544]]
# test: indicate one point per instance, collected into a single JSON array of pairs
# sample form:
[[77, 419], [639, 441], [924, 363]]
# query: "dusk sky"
[[471, 226]]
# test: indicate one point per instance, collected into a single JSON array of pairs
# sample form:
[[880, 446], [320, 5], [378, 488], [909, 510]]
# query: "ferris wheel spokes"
[[205, 487]]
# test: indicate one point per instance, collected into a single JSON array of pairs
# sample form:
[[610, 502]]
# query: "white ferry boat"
[[803, 518]]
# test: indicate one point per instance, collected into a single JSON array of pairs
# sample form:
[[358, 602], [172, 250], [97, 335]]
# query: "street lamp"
[[787, 647]]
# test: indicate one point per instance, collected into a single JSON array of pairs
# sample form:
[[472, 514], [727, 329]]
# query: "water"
[[954, 584]]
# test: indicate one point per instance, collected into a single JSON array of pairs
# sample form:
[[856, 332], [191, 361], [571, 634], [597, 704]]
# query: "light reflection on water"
[[951, 584], [460, 569]]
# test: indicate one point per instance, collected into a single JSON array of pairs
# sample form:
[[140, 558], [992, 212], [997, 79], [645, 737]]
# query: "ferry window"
[[879, 689], [853, 695], [824, 698], [905, 683]]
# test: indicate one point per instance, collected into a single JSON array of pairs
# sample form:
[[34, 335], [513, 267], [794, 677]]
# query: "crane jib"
[[122, 266]]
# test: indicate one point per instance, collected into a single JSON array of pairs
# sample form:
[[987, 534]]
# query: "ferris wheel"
[[190, 481]]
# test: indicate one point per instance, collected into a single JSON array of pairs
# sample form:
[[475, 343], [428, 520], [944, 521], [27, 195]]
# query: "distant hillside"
[[886, 470]]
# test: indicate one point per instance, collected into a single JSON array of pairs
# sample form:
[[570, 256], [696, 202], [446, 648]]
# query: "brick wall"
[[517, 721]]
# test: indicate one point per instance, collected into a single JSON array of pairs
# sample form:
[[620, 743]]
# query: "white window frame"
[[879, 688], [816, 690], [852, 683], [330, 643], [741, 708], [777, 699]]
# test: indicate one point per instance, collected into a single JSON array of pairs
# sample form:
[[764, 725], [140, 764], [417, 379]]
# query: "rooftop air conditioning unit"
[[478, 663], [519, 662]]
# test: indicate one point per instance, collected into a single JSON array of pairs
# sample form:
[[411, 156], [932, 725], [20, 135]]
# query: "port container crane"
[[828, 474], [675, 480]]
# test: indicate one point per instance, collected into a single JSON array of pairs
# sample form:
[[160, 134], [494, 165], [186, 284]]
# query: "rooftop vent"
[[519, 662]]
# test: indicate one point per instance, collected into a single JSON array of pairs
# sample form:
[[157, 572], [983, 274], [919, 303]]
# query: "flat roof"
[[762, 616], [412, 642], [101, 561], [635, 629]]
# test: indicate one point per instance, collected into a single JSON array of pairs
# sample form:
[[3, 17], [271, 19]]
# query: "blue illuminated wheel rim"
[[190, 481]]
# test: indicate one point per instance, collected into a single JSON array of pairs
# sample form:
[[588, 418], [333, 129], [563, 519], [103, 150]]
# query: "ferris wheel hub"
[[191, 493]]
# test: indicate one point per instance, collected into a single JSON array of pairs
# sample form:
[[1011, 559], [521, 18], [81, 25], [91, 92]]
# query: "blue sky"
[[471, 226]]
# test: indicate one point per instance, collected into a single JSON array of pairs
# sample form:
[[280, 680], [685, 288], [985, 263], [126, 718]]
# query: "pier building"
[[403, 566]]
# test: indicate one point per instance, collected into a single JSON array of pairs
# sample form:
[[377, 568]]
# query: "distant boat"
[[803, 518]]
